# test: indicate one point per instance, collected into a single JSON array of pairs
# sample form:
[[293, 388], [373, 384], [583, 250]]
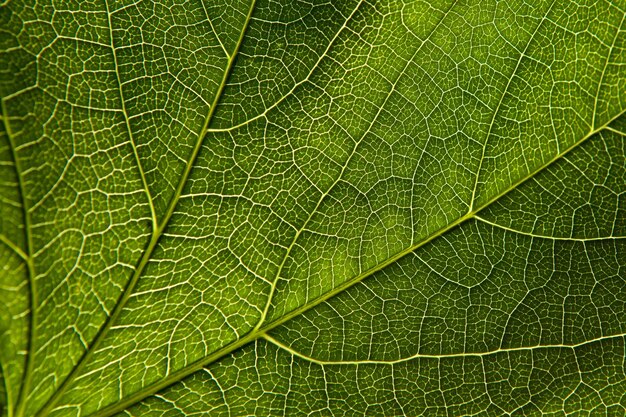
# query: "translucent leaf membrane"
[[400, 179]]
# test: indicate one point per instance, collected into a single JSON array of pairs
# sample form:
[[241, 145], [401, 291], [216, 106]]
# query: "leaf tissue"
[[312, 208]]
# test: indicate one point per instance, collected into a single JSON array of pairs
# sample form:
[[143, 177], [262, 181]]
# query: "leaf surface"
[[312, 208]]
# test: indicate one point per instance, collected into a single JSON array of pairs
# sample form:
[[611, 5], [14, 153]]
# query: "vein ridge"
[[415, 356], [538, 236]]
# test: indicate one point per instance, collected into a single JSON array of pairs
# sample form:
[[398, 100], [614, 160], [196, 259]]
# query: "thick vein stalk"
[[30, 267]]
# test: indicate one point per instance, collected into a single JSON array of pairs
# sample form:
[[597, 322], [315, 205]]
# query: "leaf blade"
[[295, 196]]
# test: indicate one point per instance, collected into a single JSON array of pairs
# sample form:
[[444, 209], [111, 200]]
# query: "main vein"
[[156, 233], [30, 267]]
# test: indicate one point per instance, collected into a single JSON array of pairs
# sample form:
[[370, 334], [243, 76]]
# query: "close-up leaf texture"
[[312, 208]]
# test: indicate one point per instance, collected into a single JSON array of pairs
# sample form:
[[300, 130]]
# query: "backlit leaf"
[[214, 207]]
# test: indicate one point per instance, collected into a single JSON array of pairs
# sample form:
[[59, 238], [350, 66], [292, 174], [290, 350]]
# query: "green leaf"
[[312, 208]]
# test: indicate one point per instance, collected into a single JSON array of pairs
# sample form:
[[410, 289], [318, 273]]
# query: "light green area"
[[312, 208]]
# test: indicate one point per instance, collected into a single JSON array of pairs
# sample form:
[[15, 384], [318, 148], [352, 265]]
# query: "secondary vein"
[[497, 109], [127, 121], [157, 232], [345, 165], [415, 356]]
